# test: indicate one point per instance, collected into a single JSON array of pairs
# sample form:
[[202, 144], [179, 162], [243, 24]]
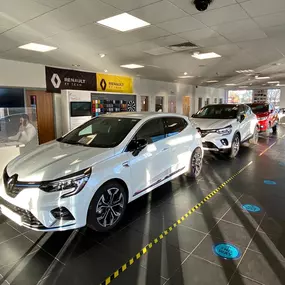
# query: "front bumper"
[[32, 208], [215, 142]]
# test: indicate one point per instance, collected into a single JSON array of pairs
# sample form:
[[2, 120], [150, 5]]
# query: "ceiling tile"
[[128, 5], [53, 3], [7, 43], [159, 12], [277, 31], [181, 25], [232, 27], [271, 20], [159, 51], [249, 35], [223, 15], [15, 11], [7, 22], [211, 42], [168, 40], [198, 34], [79, 13], [148, 33], [262, 7]]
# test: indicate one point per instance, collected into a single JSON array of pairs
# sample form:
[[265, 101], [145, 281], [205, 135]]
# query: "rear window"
[[260, 108], [174, 125]]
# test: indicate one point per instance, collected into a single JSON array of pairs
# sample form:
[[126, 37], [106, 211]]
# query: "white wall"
[[282, 97], [21, 74]]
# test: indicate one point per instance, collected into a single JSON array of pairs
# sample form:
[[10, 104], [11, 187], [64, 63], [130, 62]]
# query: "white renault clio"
[[90, 175], [224, 127]]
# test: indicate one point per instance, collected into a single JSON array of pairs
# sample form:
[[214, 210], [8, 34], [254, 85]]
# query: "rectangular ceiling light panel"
[[132, 66], [123, 22], [208, 55], [37, 47]]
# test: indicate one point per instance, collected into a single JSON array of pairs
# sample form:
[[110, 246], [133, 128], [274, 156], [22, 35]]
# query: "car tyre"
[[196, 163], [254, 139], [235, 146], [107, 207]]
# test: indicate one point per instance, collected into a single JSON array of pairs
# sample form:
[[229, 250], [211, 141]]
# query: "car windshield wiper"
[[74, 143]]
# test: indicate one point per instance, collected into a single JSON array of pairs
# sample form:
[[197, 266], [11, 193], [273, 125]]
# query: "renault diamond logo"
[[55, 80], [103, 84]]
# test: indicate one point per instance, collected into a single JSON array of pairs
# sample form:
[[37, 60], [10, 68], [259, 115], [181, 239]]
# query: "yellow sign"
[[114, 83]]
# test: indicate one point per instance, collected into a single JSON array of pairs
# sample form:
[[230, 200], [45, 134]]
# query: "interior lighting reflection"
[[177, 141]]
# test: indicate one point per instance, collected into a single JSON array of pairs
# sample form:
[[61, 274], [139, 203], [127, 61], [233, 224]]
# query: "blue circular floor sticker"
[[269, 182], [251, 208], [227, 251]]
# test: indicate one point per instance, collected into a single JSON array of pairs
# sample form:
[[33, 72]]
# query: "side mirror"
[[241, 117], [136, 146]]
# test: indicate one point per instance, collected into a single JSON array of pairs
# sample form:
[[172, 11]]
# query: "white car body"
[[156, 164], [214, 141]]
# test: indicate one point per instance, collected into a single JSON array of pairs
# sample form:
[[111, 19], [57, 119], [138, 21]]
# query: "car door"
[[149, 167], [244, 123], [176, 139]]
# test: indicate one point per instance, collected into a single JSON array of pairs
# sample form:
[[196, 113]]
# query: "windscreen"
[[102, 132], [259, 108], [218, 112]]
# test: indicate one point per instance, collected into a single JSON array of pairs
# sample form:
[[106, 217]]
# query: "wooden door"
[[186, 106], [45, 113]]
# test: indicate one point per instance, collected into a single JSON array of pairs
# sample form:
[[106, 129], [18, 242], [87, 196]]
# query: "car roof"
[[142, 115]]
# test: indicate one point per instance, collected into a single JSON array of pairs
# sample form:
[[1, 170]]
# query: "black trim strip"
[[158, 181]]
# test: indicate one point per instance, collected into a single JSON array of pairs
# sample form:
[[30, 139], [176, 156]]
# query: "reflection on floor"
[[247, 214]]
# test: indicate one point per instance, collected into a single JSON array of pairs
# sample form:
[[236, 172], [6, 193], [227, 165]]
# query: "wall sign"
[[226, 251], [58, 79], [114, 83], [251, 208]]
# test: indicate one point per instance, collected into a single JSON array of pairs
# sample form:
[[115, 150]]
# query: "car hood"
[[54, 160], [210, 124]]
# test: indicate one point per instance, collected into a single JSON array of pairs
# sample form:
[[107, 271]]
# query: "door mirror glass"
[[137, 145], [242, 117]]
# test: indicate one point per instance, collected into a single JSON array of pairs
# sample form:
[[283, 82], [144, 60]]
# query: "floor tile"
[[7, 232], [263, 268], [205, 251], [240, 280], [31, 269], [197, 271], [184, 238], [17, 227], [267, 245], [230, 232], [14, 249], [272, 226]]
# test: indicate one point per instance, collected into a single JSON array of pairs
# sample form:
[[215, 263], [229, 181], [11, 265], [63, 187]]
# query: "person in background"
[[26, 131]]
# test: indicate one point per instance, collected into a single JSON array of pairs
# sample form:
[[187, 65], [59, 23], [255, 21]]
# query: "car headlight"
[[262, 118], [225, 131], [73, 183]]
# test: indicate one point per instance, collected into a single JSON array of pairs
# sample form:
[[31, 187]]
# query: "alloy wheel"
[[236, 145], [110, 207], [197, 162]]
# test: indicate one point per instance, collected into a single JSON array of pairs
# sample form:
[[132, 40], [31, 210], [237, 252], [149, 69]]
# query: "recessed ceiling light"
[[280, 85], [261, 77], [205, 55], [123, 22], [185, 73], [212, 81], [243, 86], [185, 76], [230, 84], [75, 65], [105, 70], [132, 66], [37, 47], [273, 82], [245, 71], [102, 55]]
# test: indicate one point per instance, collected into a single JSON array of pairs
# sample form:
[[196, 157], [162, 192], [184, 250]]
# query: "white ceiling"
[[249, 34]]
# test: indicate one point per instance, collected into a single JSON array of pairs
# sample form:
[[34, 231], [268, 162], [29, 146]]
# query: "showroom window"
[[174, 126], [152, 131]]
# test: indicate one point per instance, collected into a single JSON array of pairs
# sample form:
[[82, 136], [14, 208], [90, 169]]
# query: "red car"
[[267, 116]]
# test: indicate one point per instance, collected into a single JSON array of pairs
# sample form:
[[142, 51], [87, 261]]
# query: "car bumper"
[[262, 126], [214, 142], [32, 208]]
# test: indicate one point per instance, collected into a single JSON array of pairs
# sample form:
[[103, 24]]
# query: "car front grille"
[[209, 145], [27, 217]]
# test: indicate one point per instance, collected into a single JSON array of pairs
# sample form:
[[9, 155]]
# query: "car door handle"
[[165, 149]]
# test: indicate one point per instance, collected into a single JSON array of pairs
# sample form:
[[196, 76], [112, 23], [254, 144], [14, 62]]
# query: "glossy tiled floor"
[[185, 256]]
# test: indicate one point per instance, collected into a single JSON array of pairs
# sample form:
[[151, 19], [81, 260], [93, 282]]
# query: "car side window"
[[152, 131], [241, 110], [174, 125], [248, 110]]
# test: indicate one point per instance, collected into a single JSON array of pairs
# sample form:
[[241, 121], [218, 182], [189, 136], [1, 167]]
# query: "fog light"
[[224, 142], [62, 213]]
